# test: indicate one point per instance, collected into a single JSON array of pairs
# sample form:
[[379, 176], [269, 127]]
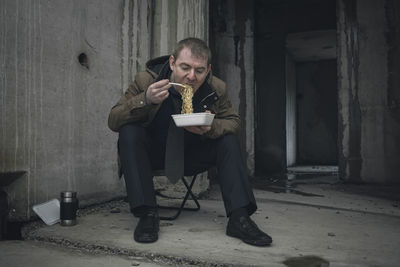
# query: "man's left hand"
[[198, 129]]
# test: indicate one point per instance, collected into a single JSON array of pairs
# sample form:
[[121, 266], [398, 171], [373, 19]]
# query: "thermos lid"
[[68, 194]]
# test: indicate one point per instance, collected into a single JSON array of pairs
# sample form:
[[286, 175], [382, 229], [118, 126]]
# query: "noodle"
[[187, 94]]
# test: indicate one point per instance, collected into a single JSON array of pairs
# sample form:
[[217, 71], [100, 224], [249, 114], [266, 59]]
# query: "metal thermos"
[[68, 207]]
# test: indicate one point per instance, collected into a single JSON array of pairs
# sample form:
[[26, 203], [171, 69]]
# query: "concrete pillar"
[[368, 124], [233, 61]]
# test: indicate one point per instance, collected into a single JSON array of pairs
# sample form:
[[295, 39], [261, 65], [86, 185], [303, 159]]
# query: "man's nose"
[[191, 75]]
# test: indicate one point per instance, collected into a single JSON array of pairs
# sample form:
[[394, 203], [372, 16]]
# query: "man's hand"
[[157, 92], [198, 129]]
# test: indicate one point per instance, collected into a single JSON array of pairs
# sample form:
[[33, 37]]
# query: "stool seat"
[[188, 193]]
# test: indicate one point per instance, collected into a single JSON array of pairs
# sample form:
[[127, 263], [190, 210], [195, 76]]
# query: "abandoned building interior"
[[316, 84]]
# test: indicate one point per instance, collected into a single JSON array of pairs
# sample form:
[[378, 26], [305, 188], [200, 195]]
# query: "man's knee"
[[131, 134], [228, 141], [229, 145]]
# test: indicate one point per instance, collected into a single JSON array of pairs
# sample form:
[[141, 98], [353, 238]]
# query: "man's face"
[[189, 69]]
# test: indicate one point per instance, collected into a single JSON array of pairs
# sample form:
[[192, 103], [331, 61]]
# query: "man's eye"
[[185, 68], [199, 71]]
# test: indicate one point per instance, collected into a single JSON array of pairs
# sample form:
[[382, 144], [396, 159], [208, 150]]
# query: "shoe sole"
[[147, 239], [250, 242]]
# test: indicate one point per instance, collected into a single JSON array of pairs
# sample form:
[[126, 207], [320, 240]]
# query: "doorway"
[[296, 86]]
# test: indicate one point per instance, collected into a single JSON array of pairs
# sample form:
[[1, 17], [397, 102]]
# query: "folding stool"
[[186, 197]]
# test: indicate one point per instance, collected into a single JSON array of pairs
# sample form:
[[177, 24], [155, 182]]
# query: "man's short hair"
[[197, 47]]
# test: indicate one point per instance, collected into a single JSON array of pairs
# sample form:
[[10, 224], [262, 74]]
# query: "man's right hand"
[[157, 92]]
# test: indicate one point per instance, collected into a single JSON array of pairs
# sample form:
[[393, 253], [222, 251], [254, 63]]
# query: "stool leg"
[[189, 192], [182, 206]]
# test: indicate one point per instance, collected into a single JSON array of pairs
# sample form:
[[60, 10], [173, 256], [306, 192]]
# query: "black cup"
[[68, 207]]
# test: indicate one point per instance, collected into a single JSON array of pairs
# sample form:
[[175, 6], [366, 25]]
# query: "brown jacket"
[[132, 106]]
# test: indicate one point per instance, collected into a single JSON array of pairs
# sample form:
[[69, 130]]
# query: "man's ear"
[[208, 69], [171, 62]]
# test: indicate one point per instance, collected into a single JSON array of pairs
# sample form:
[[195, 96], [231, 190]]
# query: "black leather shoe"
[[147, 228], [247, 230]]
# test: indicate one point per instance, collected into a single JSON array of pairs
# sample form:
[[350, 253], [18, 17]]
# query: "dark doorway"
[[316, 113], [296, 84]]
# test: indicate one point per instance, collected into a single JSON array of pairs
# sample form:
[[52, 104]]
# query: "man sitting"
[[147, 136]]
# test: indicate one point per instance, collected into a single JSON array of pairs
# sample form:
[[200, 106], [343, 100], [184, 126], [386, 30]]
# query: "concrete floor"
[[329, 224]]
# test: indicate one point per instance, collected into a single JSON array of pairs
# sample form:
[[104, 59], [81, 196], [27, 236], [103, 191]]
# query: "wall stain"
[[243, 13], [353, 162]]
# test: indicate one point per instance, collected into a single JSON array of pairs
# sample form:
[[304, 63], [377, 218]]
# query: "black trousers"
[[141, 152]]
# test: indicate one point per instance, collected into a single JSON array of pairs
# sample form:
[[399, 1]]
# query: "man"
[[142, 117]]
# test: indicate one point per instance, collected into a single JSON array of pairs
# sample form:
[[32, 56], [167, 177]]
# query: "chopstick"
[[178, 84]]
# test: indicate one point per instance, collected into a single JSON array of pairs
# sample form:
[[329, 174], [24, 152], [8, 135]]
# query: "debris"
[[115, 210], [331, 234]]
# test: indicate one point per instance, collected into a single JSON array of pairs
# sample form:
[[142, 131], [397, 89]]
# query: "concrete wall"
[[369, 113], [174, 20], [54, 107], [136, 38], [232, 43]]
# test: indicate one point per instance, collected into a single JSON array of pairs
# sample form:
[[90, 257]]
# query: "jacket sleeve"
[[226, 120], [132, 106]]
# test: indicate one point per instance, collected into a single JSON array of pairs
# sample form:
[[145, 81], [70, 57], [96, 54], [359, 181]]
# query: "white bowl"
[[193, 119]]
